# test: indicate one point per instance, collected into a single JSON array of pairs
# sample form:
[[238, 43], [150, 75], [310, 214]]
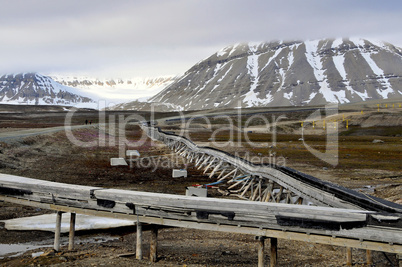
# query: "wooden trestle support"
[[238, 182], [235, 180]]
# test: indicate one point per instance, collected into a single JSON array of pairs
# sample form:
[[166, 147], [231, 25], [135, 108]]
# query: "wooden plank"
[[153, 244], [349, 256], [71, 232], [273, 259], [328, 238], [57, 231], [139, 241], [178, 201], [261, 251], [369, 258]]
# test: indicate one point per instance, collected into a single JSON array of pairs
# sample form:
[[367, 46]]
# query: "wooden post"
[[261, 250], [138, 253], [274, 252], [369, 258], [57, 231], [153, 253], [349, 256], [72, 232]]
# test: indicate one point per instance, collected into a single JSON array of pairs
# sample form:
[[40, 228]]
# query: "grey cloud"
[[164, 37]]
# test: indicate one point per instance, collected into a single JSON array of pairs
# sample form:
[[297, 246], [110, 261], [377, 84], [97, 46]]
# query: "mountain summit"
[[289, 73]]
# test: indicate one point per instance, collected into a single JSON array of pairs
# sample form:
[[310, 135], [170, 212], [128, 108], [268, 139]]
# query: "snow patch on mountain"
[[251, 97], [387, 88], [116, 90], [315, 61], [37, 89]]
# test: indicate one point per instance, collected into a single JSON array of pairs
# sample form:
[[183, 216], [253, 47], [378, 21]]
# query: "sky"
[[124, 39]]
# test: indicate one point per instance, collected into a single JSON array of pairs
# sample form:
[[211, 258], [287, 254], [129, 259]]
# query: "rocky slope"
[[288, 73], [37, 89]]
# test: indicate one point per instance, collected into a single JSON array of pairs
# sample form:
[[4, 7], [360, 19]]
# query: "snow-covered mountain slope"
[[117, 90], [289, 73], [37, 89]]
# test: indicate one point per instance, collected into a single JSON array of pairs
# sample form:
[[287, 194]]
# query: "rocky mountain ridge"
[[37, 89], [137, 83], [293, 73]]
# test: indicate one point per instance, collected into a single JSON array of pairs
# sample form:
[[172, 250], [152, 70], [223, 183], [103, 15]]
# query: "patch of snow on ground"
[[47, 222]]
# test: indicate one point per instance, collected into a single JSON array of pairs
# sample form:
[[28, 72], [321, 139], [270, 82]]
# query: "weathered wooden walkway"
[[367, 230], [285, 204]]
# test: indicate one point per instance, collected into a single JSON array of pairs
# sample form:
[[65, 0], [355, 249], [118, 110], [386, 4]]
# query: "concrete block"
[[179, 173], [118, 162], [196, 191], [132, 153]]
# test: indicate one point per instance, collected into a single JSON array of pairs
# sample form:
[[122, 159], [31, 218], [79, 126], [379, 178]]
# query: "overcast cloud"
[[163, 37]]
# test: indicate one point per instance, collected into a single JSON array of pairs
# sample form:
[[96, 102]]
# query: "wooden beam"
[[153, 244], [278, 196], [349, 256], [369, 257], [198, 161], [222, 173], [138, 248], [248, 186], [270, 188], [261, 251], [300, 201], [227, 175], [57, 231], [209, 165], [72, 231], [215, 169], [256, 191], [273, 259], [237, 183], [289, 235]]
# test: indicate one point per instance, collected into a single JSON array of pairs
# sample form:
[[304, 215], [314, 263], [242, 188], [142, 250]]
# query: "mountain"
[[37, 89], [288, 73], [118, 90]]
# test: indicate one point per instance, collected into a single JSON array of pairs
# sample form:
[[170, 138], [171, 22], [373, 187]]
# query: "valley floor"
[[373, 168]]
